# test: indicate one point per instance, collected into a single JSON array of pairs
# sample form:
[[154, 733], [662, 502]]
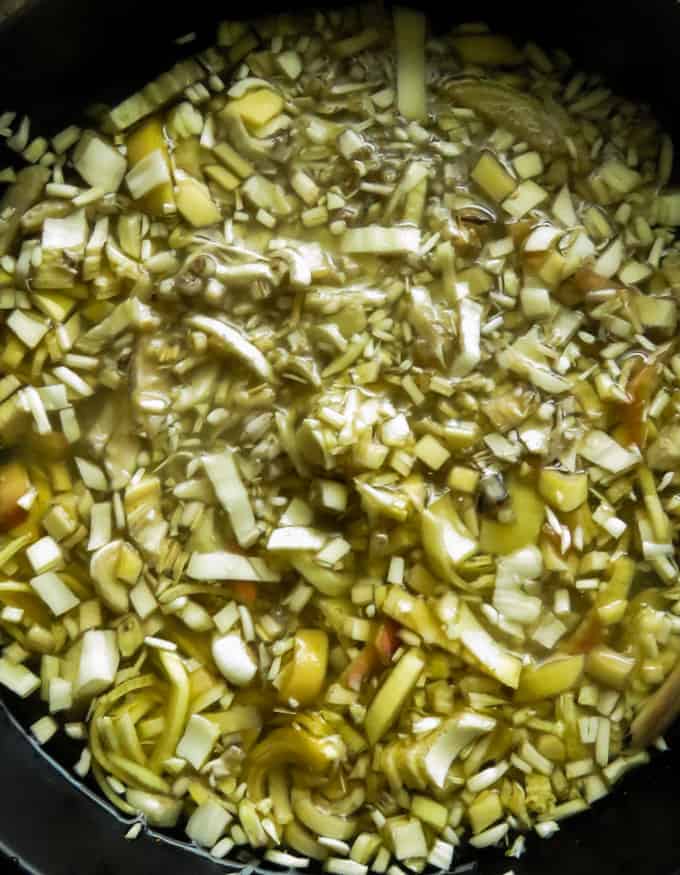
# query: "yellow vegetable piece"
[[562, 490], [415, 614], [302, 679], [257, 107], [231, 159], [195, 204], [20, 595], [13, 352], [385, 707], [222, 177], [609, 667], [319, 821], [502, 538], [287, 746], [304, 842], [177, 707], [493, 658], [612, 598], [142, 141], [549, 679], [56, 305], [485, 810], [446, 541], [31, 525], [492, 177], [188, 156]]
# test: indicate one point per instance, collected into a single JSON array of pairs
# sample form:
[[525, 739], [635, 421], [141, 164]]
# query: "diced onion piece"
[[409, 28], [54, 592], [207, 823], [408, 838], [45, 555], [494, 180], [100, 525], [69, 233], [198, 741], [44, 729], [563, 208], [233, 658], [609, 262], [289, 63], [147, 174], [266, 195], [441, 855], [497, 661], [525, 198], [222, 565], [296, 538], [99, 659], [453, 736], [92, 475], [195, 203], [60, 693], [445, 539], [602, 450], [98, 162], [400, 240], [619, 177], [235, 344], [28, 327], [538, 373], [469, 333], [231, 493], [158, 810], [17, 678]]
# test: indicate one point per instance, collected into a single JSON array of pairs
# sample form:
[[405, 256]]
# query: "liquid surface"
[[339, 399]]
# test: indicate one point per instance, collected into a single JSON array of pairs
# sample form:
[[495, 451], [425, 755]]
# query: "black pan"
[[56, 57]]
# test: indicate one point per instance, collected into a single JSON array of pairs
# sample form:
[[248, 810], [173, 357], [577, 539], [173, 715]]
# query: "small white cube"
[[45, 555]]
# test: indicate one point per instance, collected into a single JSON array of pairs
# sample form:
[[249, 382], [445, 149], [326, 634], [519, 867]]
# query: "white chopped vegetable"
[[30, 329], [148, 174], [44, 729], [60, 695], [54, 592], [98, 664], [98, 162], [224, 475], [68, 234], [229, 566], [198, 741], [17, 678], [100, 525], [378, 240], [235, 344], [296, 538], [469, 331], [601, 449], [234, 659], [497, 661], [456, 734], [92, 475], [408, 838], [45, 555], [208, 823]]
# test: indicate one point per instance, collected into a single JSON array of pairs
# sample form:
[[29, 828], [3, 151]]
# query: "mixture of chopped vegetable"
[[341, 420]]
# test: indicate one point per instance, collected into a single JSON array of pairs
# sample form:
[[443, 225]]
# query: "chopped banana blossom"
[[339, 397]]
